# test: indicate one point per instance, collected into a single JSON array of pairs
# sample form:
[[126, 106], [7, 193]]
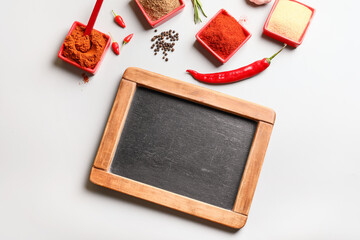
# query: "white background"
[[51, 124]]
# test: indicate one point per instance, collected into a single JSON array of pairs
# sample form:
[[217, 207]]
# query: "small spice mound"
[[290, 19], [85, 78], [223, 35], [85, 50], [159, 8], [164, 42]]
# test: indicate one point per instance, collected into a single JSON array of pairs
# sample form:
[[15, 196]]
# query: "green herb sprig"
[[197, 6]]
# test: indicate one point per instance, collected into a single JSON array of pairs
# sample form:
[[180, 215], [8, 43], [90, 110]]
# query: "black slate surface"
[[184, 147]]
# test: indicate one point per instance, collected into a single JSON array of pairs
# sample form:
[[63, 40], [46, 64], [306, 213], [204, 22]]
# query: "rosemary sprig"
[[197, 5]]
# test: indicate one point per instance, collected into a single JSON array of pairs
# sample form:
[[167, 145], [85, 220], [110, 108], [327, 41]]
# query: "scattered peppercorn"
[[164, 42]]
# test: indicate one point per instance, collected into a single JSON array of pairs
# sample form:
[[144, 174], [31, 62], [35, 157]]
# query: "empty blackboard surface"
[[183, 147]]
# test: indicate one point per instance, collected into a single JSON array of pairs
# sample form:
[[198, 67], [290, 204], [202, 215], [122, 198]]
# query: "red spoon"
[[93, 17]]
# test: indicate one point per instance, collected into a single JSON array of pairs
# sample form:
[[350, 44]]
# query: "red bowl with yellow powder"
[[288, 22], [85, 53], [223, 36]]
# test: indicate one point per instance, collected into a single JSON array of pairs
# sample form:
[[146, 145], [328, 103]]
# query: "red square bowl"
[[89, 70], [221, 59], [281, 37], [163, 18]]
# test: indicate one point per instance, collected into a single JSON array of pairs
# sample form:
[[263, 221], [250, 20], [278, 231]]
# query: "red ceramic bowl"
[[89, 70], [223, 60], [282, 38], [163, 18]]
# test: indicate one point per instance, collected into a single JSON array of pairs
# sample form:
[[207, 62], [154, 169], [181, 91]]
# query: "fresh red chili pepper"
[[119, 20], [115, 46], [237, 74], [126, 40]]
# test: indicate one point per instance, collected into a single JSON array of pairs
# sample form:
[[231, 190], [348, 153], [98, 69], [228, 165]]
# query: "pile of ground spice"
[[159, 8], [85, 50], [85, 78], [223, 35], [290, 19]]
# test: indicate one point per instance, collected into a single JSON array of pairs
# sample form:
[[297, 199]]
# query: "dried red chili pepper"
[[237, 74], [119, 20], [115, 46]]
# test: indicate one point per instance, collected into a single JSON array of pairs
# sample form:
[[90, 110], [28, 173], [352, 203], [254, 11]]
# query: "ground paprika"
[[223, 35], [85, 50]]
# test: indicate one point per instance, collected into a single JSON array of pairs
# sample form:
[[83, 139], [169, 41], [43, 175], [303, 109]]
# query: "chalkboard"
[[184, 147]]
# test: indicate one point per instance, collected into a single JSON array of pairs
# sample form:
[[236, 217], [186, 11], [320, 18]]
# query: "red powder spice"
[[223, 35], [85, 50], [85, 78]]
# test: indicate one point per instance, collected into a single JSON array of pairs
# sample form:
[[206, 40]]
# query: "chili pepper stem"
[[111, 37], [114, 13], [122, 45], [271, 58]]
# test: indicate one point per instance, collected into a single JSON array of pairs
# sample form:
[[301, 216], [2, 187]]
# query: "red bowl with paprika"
[[156, 14], [223, 36], [84, 52]]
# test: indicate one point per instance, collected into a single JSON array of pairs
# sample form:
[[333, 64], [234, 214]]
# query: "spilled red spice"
[[85, 50], [223, 35], [85, 78]]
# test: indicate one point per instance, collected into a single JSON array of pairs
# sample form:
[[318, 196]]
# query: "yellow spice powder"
[[289, 19]]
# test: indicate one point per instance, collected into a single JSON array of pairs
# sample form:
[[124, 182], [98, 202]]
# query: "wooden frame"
[[133, 77]]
